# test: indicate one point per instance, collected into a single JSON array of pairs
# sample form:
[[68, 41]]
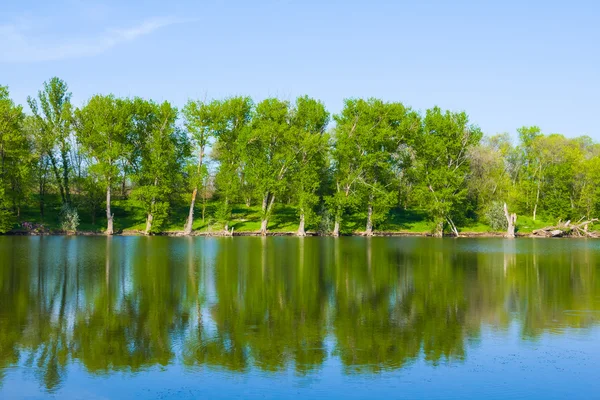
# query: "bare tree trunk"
[[150, 216], [190, 219], [148, 224], [537, 199], [268, 201], [263, 226], [369, 230], [301, 231], [336, 227], [453, 227], [511, 219], [203, 206], [109, 215], [439, 229]]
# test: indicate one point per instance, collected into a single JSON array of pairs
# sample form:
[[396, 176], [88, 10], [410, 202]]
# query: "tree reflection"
[[129, 304]]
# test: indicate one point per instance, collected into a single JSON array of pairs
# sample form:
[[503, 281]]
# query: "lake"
[[284, 317]]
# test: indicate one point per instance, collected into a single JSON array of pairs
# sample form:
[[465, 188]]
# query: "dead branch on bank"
[[566, 229]]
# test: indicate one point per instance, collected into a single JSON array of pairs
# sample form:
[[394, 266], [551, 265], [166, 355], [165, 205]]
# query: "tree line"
[[370, 158]]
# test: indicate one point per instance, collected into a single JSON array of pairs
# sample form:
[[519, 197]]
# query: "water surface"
[[278, 317]]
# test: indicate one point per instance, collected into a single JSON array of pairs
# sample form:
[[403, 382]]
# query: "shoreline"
[[272, 234]]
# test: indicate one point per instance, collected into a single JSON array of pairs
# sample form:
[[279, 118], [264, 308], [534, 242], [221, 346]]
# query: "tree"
[[490, 181], [233, 117], [532, 168], [345, 163], [54, 115], [309, 120], [14, 159], [102, 127], [200, 123], [369, 153], [269, 153], [163, 148], [442, 147]]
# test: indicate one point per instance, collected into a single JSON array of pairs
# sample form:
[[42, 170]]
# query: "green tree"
[[369, 153], [442, 167], [54, 115], [200, 121], [532, 169], [102, 127], [14, 158], [309, 120], [233, 117], [163, 148], [490, 180], [269, 154]]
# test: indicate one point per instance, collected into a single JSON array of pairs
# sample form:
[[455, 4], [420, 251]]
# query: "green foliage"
[[274, 164], [53, 113], [309, 119], [494, 216], [69, 218], [442, 167]]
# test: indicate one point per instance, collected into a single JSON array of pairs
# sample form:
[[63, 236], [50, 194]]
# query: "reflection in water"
[[126, 304]]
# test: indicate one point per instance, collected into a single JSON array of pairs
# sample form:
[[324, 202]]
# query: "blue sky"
[[506, 63]]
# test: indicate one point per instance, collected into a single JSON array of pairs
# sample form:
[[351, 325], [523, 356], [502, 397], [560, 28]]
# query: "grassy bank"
[[130, 219]]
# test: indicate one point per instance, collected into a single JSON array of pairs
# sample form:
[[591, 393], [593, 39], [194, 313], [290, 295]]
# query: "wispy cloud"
[[19, 43]]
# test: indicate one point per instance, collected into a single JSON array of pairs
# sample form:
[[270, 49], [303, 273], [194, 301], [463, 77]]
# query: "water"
[[125, 317]]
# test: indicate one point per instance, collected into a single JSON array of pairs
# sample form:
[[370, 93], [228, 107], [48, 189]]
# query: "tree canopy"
[[361, 170]]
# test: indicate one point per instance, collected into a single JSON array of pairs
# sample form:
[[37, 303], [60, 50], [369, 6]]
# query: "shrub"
[[325, 221], [494, 216], [69, 218]]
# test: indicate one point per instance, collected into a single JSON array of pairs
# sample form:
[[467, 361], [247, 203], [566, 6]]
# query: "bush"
[[325, 221], [494, 216], [69, 218]]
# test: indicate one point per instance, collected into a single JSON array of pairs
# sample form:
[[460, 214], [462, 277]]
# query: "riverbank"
[[276, 233], [245, 221]]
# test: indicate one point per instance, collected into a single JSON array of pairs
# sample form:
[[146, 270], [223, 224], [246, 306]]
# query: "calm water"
[[124, 317]]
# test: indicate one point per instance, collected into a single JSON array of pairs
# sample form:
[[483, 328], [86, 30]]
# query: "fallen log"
[[567, 229]]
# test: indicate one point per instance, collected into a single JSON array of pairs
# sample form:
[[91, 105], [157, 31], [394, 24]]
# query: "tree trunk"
[[148, 224], [453, 227], [109, 215], [190, 220], [268, 201], [57, 176], [42, 200], [369, 230], [301, 231], [65, 162], [263, 226], [336, 227], [439, 229], [511, 219], [537, 199]]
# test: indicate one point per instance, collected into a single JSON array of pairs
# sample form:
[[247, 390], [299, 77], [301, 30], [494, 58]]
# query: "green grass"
[[129, 217]]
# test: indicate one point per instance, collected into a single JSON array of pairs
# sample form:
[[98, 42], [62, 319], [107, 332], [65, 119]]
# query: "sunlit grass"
[[130, 218]]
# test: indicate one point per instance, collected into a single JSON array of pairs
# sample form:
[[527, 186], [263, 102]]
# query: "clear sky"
[[506, 63]]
